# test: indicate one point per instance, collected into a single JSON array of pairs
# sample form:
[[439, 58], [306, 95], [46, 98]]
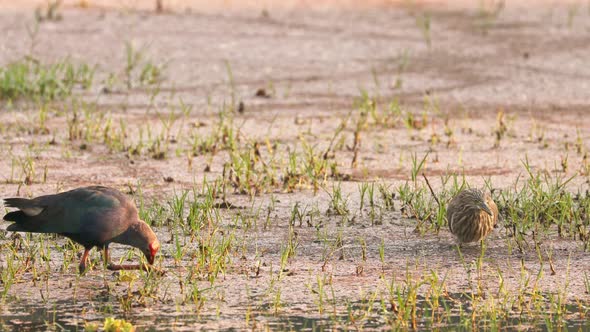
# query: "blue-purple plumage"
[[91, 216]]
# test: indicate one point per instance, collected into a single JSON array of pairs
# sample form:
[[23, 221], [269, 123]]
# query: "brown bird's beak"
[[486, 209]]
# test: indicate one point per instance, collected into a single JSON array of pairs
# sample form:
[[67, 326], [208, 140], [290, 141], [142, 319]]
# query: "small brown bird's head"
[[477, 200]]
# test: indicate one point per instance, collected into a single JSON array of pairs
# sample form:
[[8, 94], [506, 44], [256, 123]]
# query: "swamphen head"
[[145, 240]]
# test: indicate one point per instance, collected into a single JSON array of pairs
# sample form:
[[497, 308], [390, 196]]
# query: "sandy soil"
[[529, 65]]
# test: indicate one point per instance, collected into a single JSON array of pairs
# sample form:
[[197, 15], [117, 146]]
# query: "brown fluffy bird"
[[91, 216], [471, 215]]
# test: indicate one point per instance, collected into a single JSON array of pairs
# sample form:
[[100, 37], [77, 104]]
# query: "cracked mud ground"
[[523, 73]]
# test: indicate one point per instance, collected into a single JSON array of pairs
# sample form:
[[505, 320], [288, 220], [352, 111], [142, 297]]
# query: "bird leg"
[[83, 261], [105, 256]]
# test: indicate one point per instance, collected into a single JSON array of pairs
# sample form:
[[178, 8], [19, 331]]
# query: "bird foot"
[[118, 267], [127, 267]]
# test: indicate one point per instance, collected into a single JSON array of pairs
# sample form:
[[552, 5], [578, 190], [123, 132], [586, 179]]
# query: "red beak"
[[154, 247]]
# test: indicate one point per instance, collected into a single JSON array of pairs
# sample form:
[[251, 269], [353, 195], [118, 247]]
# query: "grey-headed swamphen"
[[91, 216]]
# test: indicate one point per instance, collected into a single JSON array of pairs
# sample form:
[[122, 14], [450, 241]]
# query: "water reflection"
[[63, 315]]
